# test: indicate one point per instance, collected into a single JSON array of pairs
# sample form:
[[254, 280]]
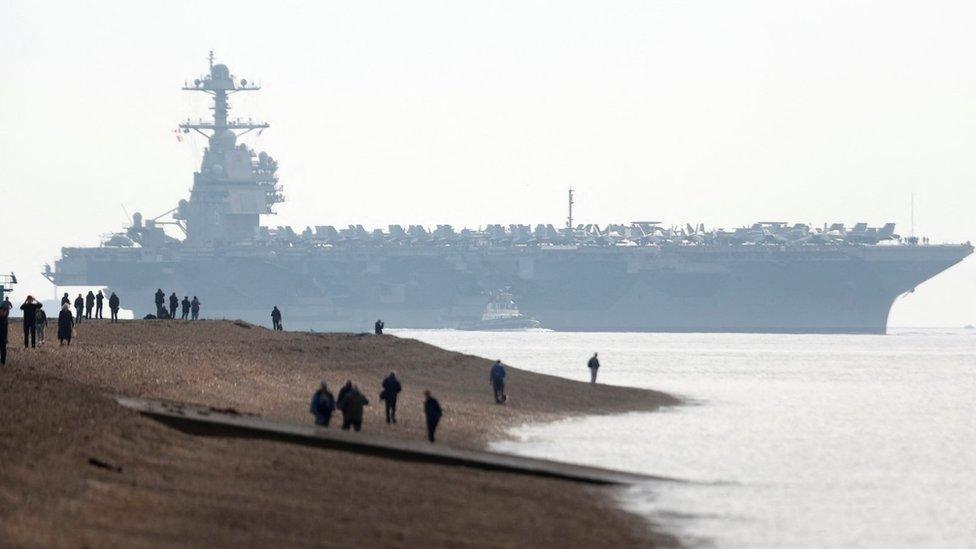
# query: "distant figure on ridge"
[[593, 365], [40, 323], [5, 307], [352, 409], [276, 318], [322, 406], [65, 325], [497, 378], [433, 413], [160, 302], [65, 300], [391, 389], [79, 308], [174, 302], [185, 308], [113, 305], [89, 304], [99, 298], [378, 327], [195, 308]]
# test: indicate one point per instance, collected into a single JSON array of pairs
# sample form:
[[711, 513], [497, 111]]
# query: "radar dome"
[[220, 72]]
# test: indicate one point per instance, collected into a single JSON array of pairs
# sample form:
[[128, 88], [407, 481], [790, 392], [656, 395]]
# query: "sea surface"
[[786, 440]]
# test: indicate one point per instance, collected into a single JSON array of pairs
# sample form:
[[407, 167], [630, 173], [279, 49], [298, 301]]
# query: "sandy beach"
[[79, 470]]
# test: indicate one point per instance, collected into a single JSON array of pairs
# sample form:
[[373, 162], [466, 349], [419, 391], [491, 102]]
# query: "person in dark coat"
[[99, 298], [113, 305], [65, 300], [65, 325], [391, 389], [5, 307], [322, 406], [40, 324], [352, 410], [160, 301], [593, 365], [174, 303], [497, 379], [79, 308], [276, 318], [195, 308], [433, 413], [30, 308], [378, 327], [185, 308], [89, 304]]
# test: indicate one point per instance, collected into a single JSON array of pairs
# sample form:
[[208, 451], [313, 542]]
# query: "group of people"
[[85, 305], [351, 403], [34, 322], [189, 309]]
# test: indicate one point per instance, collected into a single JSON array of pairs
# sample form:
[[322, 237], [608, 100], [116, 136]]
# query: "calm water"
[[791, 441]]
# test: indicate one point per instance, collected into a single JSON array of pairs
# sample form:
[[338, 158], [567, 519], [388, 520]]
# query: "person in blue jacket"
[[322, 406], [433, 412], [497, 377]]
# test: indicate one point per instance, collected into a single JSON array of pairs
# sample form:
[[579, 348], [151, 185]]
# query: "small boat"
[[501, 314]]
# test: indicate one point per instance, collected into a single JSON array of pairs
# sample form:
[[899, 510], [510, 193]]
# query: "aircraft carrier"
[[635, 276]]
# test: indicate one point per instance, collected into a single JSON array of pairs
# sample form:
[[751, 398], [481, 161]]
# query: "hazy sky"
[[470, 113]]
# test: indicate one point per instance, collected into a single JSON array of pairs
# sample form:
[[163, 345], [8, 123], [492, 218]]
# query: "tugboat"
[[501, 314]]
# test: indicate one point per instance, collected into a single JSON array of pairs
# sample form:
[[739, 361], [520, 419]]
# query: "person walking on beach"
[[174, 302], [322, 406], [433, 413], [593, 365], [497, 378], [5, 307], [89, 304], [341, 397], [195, 308], [65, 300], [185, 308], [40, 324], [113, 306], [65, 325], [276, 318], [378, 327], [391, 389], [79, 308], [160, 301], [352, 410], [99, 298]]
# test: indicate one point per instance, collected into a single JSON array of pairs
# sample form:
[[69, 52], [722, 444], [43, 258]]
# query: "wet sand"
[[165, 487]]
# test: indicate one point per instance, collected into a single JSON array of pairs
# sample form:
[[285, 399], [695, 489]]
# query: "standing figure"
[[341, 397], [65, 325], [79, 308], [433, 412], [497, 378], [378, 327], [185, 308], [593, 365], [174, 302], [40, 324], [89, 304], [160, 300], [30, 308], [195, 308], [4, 318], [99, 298], [276, 318], [113, 305], [65, 300], [322, 406], [391, 389], [352, 409]]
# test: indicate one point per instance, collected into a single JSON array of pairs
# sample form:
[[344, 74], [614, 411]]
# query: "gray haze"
[[476, 113]]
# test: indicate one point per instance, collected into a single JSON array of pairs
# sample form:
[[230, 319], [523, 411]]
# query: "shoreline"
[[236, 365]]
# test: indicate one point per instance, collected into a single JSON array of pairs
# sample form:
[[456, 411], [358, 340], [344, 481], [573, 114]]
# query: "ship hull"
[[829, 289]]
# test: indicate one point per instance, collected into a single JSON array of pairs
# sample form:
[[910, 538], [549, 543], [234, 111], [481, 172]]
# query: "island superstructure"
[[636, 276]]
